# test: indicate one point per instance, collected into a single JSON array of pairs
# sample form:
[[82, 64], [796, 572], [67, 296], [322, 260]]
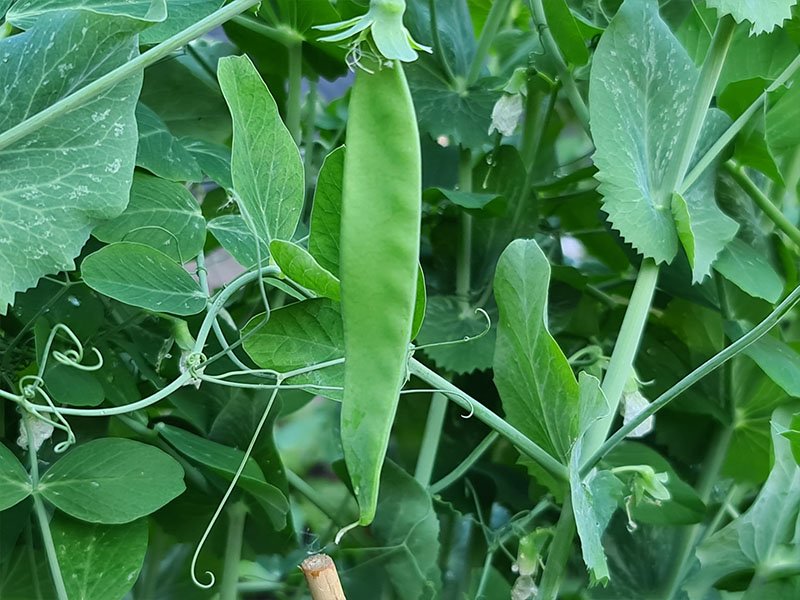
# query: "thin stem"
[[237, 514], [497, 13], [294, 99], [437, 42], [707, 367], [282, 35], [317, 499], [465, 465], [513, 435], [129, 69], [430, 439], [41, 516], [485, 572], [564, 74], [763, 202], [464, 258], [559, 552]]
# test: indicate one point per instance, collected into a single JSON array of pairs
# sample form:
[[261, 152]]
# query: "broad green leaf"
[[23, 14], [639, 96], [297, 336], [447, 320], [160, 152], [161, 214], [143, 276], [456, 36], [536, 384], [70, 175], [180, 15], [15, 485], [764, 15], [299, 266], [565, 31], [266, 166], [326, 214], [406, 534], [73, 387], [783, 122], [112, 480], [225, 461], [764, 534], [493, 204], [232, 232], [99, 562], [750, 271], [214, 160]]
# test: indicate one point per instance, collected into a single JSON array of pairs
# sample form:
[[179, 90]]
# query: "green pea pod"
[[381, 206]]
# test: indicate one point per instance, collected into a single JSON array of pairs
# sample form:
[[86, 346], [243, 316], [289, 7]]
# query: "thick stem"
[[156, 53], [497, 13], [294, 99], [513, 435], [237, 514], [430, 439], [41, 516], [763, 202], [559, 552]]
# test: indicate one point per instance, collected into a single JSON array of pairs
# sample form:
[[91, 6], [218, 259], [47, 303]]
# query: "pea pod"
[[379, 253]]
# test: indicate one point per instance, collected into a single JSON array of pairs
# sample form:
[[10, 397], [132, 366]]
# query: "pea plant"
[[481, 299]]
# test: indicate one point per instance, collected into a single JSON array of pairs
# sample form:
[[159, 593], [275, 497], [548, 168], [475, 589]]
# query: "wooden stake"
[[322, 578]]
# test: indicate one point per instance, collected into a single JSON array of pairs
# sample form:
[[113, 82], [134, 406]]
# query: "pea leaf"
[[783, 122], [299, 266], [112, 480], [214, 160], [764, 15], [266, 166], [23, 14], [536, 384], [160, 152], [73, 387], [232, 232], [639, 97], [99, 562], [750, 271], [225, 461], [181, 14], [296, 336], [326, 214], [143, 276], [15, 483], [776, 358], [565, 30], [70, 175], [161, 214]]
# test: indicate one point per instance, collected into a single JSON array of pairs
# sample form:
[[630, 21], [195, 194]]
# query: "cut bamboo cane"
[[322, 578]]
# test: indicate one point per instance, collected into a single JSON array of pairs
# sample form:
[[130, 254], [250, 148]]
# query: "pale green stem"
[[317, 499], [237, 514], [465, 465], [524, 444], [560, 549], [763, 202], [497, 13], [294, 104], [285, 37], [485, 572], [564, 74], [41, 516], [464, 259], [430, 439], [129, 69]]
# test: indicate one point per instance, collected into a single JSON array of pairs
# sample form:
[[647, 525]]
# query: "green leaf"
[[23, 14], [73, 387], [493, 204], [447, 320], [112, 480], [15, 485], [777, 359], [70, 175], [420, 305], [764, 15], [160, 152], [225, 461], [181, 14], [326, 214], [143, 276], [565, 31], [639, 98], [750, 271], [214, 160], [232, 232], [299, 335], [783, 122], [406, 534], [764, 534], [536, 384], [99, 562], [299, 266], [266, 166], [161, 214]]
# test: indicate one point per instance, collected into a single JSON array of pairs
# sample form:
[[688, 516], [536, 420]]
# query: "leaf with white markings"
[[234, 235], [67, 177], [25, 12]]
